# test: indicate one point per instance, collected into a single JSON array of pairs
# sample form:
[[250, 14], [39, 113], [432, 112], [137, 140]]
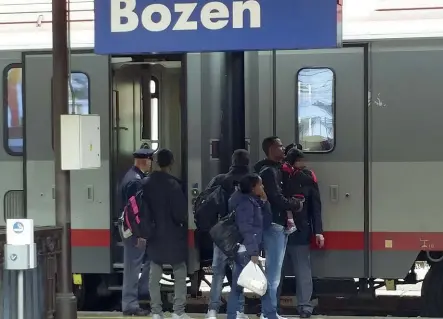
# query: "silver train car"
[[367, 115]]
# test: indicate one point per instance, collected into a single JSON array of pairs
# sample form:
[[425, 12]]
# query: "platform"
[[118, 315]]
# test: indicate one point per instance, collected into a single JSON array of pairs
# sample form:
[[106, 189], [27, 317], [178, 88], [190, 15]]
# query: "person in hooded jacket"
[[274, 238], [239, 169], [168, 244], [252, 216], [301, 182]]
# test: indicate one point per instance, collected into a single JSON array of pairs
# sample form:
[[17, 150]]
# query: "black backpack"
[[137, 218], [209, 206]]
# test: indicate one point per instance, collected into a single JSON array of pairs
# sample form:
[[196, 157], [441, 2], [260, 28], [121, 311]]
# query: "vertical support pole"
[[20, 295], [66, 304], [232, 135]]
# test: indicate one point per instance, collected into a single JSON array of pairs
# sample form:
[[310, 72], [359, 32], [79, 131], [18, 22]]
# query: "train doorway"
[[147, 109]]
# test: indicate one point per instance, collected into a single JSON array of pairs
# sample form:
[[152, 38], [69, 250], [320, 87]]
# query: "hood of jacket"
[[265, 162]]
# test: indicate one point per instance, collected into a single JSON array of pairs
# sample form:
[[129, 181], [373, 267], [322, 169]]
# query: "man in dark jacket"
[[274, 238], [135, 248], [163, 195], [239, 169], [301, 181]]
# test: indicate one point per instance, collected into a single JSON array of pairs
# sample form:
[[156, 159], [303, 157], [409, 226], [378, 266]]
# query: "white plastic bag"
[[253, 278]]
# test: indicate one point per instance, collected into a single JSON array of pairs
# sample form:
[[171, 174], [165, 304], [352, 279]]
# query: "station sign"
[[168, 26]]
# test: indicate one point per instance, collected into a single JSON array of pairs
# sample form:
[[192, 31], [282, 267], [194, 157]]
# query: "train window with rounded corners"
[[78, 96], [316, 109], [13, 110], [78, 93]]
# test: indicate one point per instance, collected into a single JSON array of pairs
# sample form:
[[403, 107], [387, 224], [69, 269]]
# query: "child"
[[296, 180]]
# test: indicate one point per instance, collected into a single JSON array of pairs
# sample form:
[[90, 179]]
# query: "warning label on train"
[[164, 26]]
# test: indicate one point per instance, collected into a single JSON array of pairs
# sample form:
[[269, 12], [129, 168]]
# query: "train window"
[[13, 110], [316, 109], [78, 93], [155, 94]]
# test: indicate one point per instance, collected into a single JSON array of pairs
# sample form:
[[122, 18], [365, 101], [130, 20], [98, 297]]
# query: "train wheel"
[[432, 292]]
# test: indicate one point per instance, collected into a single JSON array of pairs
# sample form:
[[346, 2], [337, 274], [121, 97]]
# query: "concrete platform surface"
[[118, 315]]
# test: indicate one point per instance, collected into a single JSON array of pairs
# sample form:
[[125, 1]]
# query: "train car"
[[367, 115]]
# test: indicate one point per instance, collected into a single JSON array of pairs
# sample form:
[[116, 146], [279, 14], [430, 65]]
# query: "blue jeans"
[[274, 242], [219, 263], [236, 292]]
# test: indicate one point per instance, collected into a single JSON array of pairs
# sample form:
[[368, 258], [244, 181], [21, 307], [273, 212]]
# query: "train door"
[[319, 101], [90, 199], [11, 154], [147, 109]]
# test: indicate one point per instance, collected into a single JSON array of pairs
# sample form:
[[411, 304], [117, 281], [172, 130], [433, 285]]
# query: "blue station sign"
[[168, 26]]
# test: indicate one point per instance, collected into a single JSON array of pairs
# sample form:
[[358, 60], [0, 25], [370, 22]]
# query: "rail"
[[40, 283]]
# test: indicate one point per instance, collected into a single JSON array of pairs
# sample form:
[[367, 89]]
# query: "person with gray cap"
[[135, 248]]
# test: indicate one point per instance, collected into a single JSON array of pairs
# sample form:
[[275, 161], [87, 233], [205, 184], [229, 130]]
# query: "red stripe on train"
[[334, 240]]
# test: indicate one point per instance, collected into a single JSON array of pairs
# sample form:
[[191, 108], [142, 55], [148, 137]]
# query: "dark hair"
[[294, 154], [267, 143], [165, 158], [248, 182], [240, 157], [291, 146]]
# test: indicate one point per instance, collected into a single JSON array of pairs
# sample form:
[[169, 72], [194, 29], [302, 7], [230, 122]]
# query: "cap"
[[143, 153]]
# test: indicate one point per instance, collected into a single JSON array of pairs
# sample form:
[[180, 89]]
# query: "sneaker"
[[241, 315], [182, 316], [290, 229], [212, 314]]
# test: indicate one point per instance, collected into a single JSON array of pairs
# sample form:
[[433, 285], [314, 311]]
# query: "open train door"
[[11, 154], [90, 199]]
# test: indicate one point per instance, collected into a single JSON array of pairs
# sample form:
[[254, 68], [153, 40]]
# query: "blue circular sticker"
[[18, 228]]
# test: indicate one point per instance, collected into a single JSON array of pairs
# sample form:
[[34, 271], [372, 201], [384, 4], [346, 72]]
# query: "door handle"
[[333, 193], [90, 193]]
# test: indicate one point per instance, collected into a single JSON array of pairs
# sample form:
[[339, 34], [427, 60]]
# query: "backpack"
[[136, 218], [209, 206]]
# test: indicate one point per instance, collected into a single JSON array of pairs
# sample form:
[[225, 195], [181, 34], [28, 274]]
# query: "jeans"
[[180, 288], [236, 292], [274, 242], [133, 259], [219, 263]]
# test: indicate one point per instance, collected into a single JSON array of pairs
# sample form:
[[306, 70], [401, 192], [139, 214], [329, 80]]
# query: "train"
[[365, 114]]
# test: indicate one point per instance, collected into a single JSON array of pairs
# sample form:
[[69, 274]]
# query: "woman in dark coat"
[[252, 215]]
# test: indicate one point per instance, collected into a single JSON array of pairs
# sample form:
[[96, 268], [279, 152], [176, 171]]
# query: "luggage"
[[226, 235]]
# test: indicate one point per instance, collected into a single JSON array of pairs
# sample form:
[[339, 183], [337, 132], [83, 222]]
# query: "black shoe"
[[305, 314], [136, 313]]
